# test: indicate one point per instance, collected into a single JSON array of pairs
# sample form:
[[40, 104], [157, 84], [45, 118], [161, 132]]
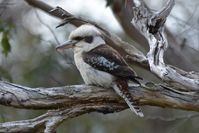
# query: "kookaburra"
[[101, 65]]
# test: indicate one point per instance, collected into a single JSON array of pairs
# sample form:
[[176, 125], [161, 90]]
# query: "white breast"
[[92, 76]]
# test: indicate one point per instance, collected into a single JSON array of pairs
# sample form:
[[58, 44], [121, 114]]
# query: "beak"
[[66, 45]]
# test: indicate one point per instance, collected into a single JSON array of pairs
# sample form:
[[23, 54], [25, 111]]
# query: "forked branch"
[[151, 25]]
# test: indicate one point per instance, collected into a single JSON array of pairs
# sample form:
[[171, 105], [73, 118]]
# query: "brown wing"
[[106, 59]]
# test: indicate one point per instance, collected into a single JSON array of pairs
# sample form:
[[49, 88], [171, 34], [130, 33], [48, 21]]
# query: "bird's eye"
[[78, 38], [88, 39]]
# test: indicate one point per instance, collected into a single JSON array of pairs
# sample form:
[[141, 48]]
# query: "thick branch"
[[72, 101], [69, 96]]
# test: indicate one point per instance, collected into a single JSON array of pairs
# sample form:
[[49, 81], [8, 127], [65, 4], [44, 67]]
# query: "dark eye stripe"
[[88, 39], [78, 38]]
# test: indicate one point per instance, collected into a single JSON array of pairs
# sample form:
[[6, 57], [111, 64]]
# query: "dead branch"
[[151, 25], [72, 101]]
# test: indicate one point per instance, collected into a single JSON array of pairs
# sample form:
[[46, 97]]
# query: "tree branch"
[[124, 15], [151, 25], [46, 123], [72, 101], [66, 97]]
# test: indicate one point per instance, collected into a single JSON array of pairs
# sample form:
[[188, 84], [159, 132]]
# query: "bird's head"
[[84, 38]]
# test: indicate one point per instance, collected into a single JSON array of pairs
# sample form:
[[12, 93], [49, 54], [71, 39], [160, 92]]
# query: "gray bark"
[[71, 101]]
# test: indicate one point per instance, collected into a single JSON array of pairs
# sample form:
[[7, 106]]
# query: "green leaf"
[[5, 43]]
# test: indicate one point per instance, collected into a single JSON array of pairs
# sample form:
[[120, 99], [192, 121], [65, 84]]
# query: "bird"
[[101, 65]]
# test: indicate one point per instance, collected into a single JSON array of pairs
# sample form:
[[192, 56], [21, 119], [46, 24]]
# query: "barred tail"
[[132, 103]]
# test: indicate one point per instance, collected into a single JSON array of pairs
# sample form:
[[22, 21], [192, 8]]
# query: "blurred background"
[[28, 38]]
